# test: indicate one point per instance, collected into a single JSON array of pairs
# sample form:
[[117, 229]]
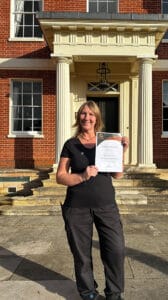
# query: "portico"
[[78, 42]]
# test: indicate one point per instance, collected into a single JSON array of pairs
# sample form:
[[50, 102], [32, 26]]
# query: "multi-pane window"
[[165, 6], [26, 107], [165, 11], [165, 106], [103, 6], [25, 23]]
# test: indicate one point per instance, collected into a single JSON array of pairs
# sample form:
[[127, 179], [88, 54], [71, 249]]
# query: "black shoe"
[[91, 296], [114, 296]]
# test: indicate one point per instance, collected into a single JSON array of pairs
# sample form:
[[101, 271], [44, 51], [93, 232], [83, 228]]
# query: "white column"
[[145, 128], [63, 107], [134, 119]]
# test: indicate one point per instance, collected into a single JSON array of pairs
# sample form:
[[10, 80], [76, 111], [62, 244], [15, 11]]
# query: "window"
[[165, 6], [25, 24], [103, 6], [98, 87], [165, 106], [165, 11], [26, 107]]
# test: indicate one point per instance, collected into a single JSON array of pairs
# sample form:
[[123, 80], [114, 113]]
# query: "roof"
[[101, 16]]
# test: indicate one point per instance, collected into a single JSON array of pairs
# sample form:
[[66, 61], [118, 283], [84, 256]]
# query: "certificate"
[[109, 152]]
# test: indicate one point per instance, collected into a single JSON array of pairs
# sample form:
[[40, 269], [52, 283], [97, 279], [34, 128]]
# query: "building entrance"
[[109, 108]]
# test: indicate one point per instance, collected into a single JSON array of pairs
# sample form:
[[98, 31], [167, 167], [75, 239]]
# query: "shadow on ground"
[[30, 270], [33, 271]]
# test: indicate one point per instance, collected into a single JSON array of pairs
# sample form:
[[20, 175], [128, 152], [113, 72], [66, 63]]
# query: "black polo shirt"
[[98, 191]]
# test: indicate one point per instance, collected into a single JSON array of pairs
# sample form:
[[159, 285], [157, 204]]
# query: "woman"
[[90, 199]]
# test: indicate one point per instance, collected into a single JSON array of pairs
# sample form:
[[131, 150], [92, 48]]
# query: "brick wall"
[[162, 51], [65, 5], [27, 152], [160, 143], [125, 6], [140, 6]]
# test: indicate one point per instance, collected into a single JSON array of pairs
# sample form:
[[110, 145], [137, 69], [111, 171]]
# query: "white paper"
[[109, 152]]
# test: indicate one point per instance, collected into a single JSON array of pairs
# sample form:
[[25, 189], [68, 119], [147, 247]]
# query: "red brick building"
[[50, 55]]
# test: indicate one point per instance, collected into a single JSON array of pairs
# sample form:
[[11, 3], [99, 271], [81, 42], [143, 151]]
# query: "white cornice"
[[26, 64], [49, 64], [160, 65], [51, 27]]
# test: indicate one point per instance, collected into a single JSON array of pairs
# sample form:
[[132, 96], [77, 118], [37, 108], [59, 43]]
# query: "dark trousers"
[[79, 227]]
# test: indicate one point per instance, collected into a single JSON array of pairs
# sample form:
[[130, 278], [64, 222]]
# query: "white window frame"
[[12, 26], [105, 1], [164, 40], [112, 87], [25, 134], [164, 133]]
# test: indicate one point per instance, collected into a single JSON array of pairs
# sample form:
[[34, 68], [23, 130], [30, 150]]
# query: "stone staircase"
[[35, 192]]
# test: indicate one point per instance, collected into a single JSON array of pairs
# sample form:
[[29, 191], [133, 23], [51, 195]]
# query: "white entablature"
[[110, 37]]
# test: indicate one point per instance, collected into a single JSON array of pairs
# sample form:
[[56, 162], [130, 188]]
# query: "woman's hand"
[[89, 172], [70, 179], [125, 143]]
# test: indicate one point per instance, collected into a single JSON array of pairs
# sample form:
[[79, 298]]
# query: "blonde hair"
[[95, 109]]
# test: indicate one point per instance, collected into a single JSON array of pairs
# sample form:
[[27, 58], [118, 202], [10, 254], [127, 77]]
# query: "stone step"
[[47, 180], [156, 173], [152, 199], [53, 210], [30, 210], [61, 190], [32, 201], [136, 182], [158, 183], [141, 190], [21, 181], [19, 173], [135, 194], [54, 190], [144, 209], [128, 199]]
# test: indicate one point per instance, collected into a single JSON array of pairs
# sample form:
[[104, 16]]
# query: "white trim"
[[164, 133], [29, 39], [162, 106], [87, 6], [26, 64], [10, 106], [37, 136], [11, 18]]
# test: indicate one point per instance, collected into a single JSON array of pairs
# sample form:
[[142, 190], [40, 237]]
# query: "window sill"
[[34, 136], [14, 39], [164, 135], [164, 41]]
